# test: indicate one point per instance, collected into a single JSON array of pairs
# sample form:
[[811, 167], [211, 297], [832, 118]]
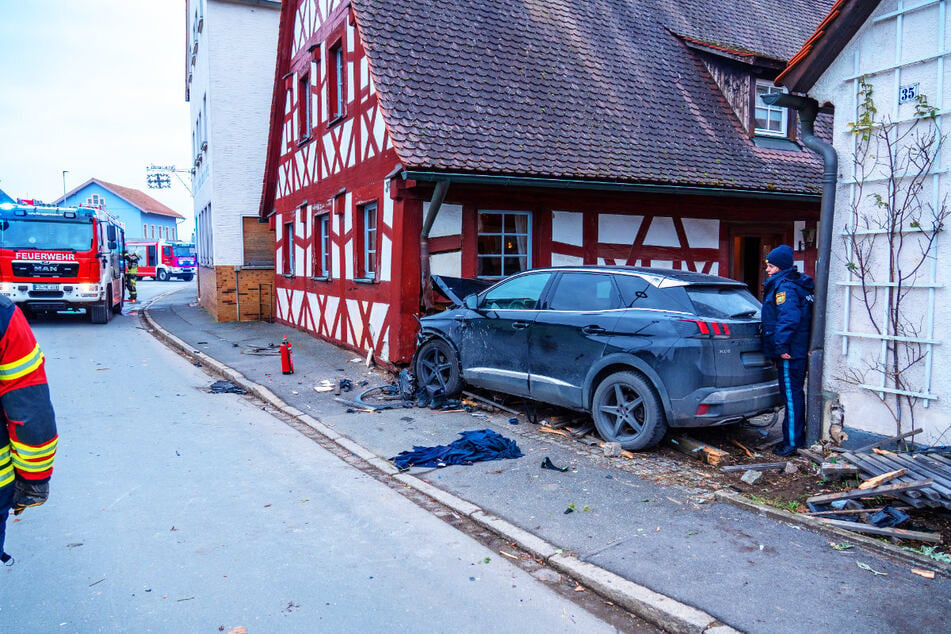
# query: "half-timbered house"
[[479, 138]]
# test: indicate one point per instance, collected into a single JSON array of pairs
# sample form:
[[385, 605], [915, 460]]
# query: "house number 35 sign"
[[907, 93]]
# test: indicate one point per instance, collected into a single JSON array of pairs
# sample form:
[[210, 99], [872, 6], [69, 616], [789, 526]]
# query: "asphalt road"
[[174, 510]]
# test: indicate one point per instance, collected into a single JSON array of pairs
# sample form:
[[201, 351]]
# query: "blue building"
[[5, 198], [144, 217]]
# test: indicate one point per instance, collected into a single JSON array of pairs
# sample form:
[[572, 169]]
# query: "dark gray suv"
[[641, 349]]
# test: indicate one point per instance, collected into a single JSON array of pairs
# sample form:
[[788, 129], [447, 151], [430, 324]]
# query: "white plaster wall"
[[873, 52], [617, 228], [567, 227], [448, 221], [236, 53], [702, 233], [449, 264]]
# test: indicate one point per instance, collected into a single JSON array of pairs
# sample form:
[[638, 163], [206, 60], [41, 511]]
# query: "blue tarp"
[[474, 446]]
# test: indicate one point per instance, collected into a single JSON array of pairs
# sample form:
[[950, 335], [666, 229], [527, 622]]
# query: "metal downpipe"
[[815, 401], [425, 272]]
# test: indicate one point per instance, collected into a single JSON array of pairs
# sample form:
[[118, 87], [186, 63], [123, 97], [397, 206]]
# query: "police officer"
[[28, 430], [788, 297], [131, 273]]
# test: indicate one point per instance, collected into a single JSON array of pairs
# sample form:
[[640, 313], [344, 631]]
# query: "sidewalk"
[[629, 536]]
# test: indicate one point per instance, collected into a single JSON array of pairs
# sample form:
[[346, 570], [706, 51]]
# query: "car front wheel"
[[437, 366], [626, 410]]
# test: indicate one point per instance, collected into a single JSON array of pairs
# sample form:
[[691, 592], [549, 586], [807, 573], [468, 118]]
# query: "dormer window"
[[769, 120]]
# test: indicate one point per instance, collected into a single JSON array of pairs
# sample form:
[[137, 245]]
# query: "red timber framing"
[[345, 164]]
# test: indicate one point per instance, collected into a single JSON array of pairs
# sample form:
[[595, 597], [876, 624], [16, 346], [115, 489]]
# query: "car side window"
[[520, 293], [638, 293], [584, 292]]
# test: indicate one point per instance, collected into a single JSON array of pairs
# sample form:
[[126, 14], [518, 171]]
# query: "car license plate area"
[[45, 287]]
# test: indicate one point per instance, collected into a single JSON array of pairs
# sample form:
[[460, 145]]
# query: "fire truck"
[[62, 259], [164, 259]]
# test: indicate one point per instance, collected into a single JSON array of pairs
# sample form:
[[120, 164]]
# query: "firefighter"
[[131, 273], [28, 434], [788, 297]]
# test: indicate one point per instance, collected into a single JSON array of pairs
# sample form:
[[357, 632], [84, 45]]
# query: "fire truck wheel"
[[187, 278], [161, 275], [101, 313]]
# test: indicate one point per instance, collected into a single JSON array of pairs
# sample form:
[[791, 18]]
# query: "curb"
[[651, 606], [893, 552]]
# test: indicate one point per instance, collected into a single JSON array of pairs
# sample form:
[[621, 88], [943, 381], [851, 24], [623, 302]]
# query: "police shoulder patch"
[[781, 297]]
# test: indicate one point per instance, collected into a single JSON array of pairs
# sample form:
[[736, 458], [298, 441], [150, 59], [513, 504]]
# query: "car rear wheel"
[[626, 410], [437, 366]]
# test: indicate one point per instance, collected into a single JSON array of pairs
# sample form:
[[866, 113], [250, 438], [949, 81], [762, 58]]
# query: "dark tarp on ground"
[[474, 446]]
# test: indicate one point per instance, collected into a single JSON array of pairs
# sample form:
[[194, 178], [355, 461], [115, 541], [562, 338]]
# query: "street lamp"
[[65, 172]]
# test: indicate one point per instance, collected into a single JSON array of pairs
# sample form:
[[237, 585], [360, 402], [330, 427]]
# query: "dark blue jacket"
[[788, 297]]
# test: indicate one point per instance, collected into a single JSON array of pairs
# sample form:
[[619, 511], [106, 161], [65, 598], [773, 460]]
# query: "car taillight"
[[710, 328], [702, 409]]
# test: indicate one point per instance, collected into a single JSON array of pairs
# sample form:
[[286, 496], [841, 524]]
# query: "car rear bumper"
[[709, 407]]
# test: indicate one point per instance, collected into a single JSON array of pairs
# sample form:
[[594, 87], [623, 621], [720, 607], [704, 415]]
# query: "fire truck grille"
[[45, 269], [46, 294]]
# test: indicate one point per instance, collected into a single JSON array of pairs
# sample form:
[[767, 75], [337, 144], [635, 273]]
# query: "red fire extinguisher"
[[287, 363]]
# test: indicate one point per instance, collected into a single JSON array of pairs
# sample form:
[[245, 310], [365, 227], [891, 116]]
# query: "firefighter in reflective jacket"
[[131, 273], [28, 433], [788, 296]]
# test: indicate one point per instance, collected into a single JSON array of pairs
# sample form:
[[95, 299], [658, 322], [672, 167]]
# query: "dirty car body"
[[640, 349]]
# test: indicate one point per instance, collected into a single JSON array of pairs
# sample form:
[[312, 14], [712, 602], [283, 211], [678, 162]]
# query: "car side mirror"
[[471, 302]]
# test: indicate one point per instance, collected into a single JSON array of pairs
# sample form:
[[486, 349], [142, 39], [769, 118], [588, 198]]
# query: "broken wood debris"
[[491, 403], [749, 454], [888, 489], [871, 529], [839, 470], [879, 443], [759, 466], [871, 483], [699, 450], [912, 467], [816, 458]]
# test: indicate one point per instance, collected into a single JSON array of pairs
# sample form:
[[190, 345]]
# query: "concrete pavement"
[[648, 535]]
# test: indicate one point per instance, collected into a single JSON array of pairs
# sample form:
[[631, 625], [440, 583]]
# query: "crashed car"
[[640, 349]]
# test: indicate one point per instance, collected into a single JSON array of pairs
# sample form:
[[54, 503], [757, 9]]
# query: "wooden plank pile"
[[908, 468]]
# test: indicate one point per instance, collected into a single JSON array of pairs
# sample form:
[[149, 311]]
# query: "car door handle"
[[520, 325], [593, 330]]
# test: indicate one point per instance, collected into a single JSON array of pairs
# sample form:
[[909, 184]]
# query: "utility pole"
[[65, 172]]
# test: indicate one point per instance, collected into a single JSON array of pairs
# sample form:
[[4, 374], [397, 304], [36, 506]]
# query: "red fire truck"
[[164, 259], [61, 259]]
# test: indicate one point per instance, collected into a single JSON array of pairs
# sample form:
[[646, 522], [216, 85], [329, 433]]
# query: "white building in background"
[[229, 73], [901, 50]]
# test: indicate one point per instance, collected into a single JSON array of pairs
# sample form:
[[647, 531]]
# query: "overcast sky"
[[95, 87]]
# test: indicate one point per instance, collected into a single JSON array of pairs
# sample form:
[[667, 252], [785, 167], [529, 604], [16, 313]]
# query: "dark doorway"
[[749, 246]]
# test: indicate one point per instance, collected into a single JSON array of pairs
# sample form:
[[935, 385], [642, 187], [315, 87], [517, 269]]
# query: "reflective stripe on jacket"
[[28, 434]]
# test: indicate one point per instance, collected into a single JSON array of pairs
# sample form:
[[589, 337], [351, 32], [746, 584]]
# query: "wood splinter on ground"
[[700, 450], [871, 483], [749, 454]]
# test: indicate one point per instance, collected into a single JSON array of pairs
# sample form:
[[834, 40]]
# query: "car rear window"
[[724, 302]]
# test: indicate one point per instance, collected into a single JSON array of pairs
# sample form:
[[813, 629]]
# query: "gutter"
[[562, 183], [808, 110]]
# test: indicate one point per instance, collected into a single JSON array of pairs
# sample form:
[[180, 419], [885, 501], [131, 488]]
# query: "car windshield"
[[724, 302], [186, 250], [45, 234]]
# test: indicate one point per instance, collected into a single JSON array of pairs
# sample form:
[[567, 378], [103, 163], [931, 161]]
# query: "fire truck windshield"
[[45, 234], [185, 250]]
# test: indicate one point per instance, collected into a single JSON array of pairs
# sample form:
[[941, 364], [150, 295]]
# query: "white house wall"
[[887, 63]]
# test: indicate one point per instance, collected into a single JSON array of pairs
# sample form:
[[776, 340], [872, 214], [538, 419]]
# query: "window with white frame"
[[96, 201], [205, 236], [504, 243], [769, 120], [288, 252]]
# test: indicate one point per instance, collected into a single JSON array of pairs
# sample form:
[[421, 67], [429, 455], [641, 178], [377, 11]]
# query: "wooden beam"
[[816, 458], [701, 451], [758, 466], [871, 483], [888, 489], [839, 470], [879, 443], [871, 529]]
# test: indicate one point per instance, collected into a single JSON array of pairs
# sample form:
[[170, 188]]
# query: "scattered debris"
[[701, 451], [791, 468], [759, 466], [346, 385], [927, 574], [842, 546], [838, 471], [491, 403], [548, 464], [749, 454], [226, 387], [869, 493], [865, 566], [473, 446], [611, 449], [871, 529], [871, 483], [325, 385], [750, 477], [879, 443]]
